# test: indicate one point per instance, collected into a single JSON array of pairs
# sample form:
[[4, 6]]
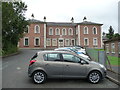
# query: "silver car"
[[62, 64]]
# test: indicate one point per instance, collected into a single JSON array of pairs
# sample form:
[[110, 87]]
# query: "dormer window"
[[37, 29], [85, 30]]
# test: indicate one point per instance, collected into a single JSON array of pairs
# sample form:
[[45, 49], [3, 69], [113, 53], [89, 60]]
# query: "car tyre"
[[39, 77], [94, 77]]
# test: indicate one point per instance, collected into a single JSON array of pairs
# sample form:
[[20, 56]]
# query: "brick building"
[[42, 34], [112, 47]]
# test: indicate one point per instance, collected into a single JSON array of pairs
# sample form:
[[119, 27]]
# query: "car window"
[[70, 58], [52, 57], [35, 56]]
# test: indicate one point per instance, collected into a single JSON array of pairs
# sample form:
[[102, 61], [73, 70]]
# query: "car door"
[[53, 64], [73, 67]]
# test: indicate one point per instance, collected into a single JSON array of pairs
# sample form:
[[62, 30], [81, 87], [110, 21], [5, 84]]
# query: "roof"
[[89, 23], [35, 21], [61, 24]]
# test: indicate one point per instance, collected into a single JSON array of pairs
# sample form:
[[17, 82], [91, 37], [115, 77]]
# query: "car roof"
[[53, 51]]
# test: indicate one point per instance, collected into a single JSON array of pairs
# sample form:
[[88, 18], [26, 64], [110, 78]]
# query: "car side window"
[[70, 58], [52, 57]]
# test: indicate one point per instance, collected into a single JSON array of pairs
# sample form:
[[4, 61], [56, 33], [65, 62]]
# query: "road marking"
[[18, 68]]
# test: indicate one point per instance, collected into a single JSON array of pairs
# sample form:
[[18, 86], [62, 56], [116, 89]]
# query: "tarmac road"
[[14, 75]]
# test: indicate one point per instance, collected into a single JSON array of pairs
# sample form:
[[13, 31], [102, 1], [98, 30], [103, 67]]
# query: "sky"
[[99, 11]]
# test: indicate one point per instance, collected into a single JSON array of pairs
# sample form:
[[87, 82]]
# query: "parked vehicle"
[[71, 49], [62, 64], [80, 49]]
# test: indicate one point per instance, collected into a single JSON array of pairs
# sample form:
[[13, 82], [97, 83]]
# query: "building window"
[[86, 41], [72, 42], [70, 31], [76, 31], [37, 29], [107, 48], [51, 31], [67, 43], [64, 31], [94, 30], [112, 48], [57, 31], [95, 41], [36, 41], [26, 41], [119, 47], [54, 42], [48, 42], [27, 29], [85, 30]]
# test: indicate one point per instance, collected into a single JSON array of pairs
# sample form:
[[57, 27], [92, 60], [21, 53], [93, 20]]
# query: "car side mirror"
[[82, 62]]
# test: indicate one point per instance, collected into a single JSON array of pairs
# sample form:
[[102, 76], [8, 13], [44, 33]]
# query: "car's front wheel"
[[94, 77], [39, 77]]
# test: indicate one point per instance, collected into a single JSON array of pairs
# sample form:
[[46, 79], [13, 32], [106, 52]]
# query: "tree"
[[111, 33], [13, 23]]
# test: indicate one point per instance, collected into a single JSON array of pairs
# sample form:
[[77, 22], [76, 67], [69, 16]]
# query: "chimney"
[[84, 19], [72, 19], [44, 19]]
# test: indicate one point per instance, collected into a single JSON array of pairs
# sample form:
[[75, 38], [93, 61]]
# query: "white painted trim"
[[107, 46], [35, 41], [93, 30], [52, 41], [111, 47], [56, 31], [47, 41], [87, 42], [87, 30], [96, 41], [69, 31], [66, 42], [44, 35], [35, 29], [24, 41], [65, 31], [51, 33], [78, 34]]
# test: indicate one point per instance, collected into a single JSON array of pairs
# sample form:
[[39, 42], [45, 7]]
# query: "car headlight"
[[103, 66]]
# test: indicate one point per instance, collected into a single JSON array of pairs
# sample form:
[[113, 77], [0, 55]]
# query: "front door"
[[61, 43]]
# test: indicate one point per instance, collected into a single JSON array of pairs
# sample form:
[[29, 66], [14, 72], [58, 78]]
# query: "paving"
[[14, 75]]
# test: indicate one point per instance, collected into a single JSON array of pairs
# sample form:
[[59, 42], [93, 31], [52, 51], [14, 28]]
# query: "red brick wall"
[[32, 35], [90, 35]]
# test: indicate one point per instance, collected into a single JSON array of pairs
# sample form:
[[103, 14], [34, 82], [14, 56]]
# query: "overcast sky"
[[99, 11]]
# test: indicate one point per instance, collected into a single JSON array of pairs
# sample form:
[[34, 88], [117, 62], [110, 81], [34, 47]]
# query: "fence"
[[101, 57]]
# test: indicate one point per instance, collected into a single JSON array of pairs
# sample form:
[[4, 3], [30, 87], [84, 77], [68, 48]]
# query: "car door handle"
[[67, 65]]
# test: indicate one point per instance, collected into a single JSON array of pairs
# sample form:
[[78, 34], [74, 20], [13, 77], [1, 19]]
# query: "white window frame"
[[35, 29], [53, 42], [65, 31], [70, 33], [85, 30], [56, 31], [96, 41], [47, 42], [112, 48], [66, 42], [95, 29], [35, 41], [27, 27], [24, 41], [87, 42], [107, 48], [50, 33]]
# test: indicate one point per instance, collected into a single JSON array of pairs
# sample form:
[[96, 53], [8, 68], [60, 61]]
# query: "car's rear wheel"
[[94, 77], [39, 77]]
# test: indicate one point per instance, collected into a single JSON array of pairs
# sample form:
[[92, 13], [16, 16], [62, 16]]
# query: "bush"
[[10, 48]]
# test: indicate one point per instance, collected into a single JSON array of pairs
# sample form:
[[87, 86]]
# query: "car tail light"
[[32, 61]]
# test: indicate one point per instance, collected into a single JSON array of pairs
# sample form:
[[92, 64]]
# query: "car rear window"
[[35, 56]]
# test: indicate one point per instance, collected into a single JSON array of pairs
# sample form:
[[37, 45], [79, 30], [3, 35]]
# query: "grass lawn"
[[114, 60]]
